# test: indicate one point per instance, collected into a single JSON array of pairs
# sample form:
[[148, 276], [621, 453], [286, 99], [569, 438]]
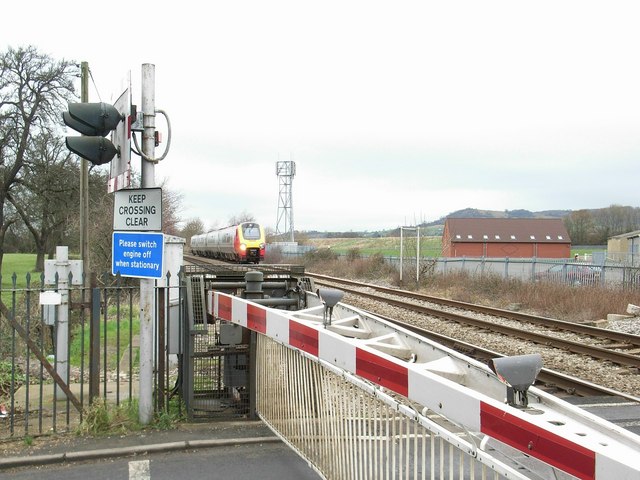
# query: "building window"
[[470, 237], [497, 237], [533, 237], [513, 237], [548, 237], [560, 237], [458, 237], [486, 237]]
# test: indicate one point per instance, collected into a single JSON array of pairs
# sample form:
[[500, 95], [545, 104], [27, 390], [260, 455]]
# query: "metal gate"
[[217, 358], [103, 351], [219, 367]]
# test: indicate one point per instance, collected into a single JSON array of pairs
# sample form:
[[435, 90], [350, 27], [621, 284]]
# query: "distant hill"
[[436, 227], [586, 226]]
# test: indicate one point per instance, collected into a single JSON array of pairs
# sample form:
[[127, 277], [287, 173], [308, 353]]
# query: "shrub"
[[7, 371], [354, 254], [320, 256]]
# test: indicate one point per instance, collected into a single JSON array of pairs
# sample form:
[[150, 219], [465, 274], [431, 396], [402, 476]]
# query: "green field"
[[20, 264], [119, 327], [388, 246]]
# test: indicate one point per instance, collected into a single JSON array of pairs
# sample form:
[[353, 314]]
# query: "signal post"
[[145, 405], [95, 121]]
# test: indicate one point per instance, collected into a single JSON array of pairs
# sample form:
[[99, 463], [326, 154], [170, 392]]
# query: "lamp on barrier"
[[518, 373], [329, 299]]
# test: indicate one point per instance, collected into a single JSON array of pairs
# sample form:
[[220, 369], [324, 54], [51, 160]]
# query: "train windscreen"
[[251, 231]]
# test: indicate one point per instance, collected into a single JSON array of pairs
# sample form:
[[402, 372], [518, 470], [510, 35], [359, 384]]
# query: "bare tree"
[[48, 194], [595, 227], [100, 222], [580, 226], [241, 217], [191, 228], [33, 92], [171, 205], [616, 219]]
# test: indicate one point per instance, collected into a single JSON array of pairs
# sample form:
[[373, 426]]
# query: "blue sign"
[[137, 254]]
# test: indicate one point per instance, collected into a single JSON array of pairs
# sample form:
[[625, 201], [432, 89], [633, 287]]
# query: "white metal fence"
[[537, 270], [583, 271], [349, 429]]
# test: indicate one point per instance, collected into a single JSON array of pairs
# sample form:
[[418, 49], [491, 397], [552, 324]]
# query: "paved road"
[[272, 461]]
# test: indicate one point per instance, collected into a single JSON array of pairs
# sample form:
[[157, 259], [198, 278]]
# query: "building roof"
[[634, 234], [509, 230]]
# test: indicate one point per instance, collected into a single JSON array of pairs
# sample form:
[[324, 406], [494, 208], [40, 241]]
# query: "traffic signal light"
[[95, 121]]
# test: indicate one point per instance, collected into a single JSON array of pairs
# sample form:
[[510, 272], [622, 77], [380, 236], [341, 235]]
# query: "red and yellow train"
[[244, 243]]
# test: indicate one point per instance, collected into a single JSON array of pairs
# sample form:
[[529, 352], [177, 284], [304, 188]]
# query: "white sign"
[[138, 209], [53, 267], [49, 297]]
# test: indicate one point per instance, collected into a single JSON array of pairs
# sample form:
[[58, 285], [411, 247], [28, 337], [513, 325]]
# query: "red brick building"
[[505, 237]]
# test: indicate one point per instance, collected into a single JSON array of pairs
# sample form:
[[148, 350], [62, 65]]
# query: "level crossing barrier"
[[361, 398]]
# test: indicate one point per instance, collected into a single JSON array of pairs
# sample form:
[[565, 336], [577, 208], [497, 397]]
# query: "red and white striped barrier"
[[560, 442]]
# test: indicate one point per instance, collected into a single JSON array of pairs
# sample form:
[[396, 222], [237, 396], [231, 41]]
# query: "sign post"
[[147, 310], [139, 253]]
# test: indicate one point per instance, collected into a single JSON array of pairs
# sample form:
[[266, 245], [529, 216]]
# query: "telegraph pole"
[[145, 406], [84, 178]]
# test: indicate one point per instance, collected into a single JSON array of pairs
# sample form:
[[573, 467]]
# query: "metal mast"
[[284, 227]]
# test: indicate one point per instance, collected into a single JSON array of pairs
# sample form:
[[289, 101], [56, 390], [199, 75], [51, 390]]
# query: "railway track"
[[614, 347]]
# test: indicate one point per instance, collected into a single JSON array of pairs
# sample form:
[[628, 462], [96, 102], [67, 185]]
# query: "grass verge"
[[107, 419]]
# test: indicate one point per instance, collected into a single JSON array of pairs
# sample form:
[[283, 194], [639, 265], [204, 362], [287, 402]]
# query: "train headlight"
[[262, 245], [243, 247]]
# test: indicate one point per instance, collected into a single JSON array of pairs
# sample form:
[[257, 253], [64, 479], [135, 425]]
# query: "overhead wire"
[[93, 80]]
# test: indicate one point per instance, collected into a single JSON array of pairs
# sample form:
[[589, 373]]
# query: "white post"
[[418, 255], [62, 331], [401, 260], [145, 406]]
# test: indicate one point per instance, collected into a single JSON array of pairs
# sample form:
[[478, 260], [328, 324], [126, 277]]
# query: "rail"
[[621, 358]]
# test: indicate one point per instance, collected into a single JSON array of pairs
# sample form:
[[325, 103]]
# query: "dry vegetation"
[[583, 303]]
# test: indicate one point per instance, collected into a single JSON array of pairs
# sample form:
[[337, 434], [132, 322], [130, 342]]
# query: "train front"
[[251, 242]]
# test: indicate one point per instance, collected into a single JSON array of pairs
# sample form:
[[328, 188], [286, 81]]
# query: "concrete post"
[[145, 406], [62, 332], [401, 252]]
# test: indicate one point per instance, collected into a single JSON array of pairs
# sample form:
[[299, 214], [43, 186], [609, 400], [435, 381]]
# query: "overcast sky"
[[394, 112]]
